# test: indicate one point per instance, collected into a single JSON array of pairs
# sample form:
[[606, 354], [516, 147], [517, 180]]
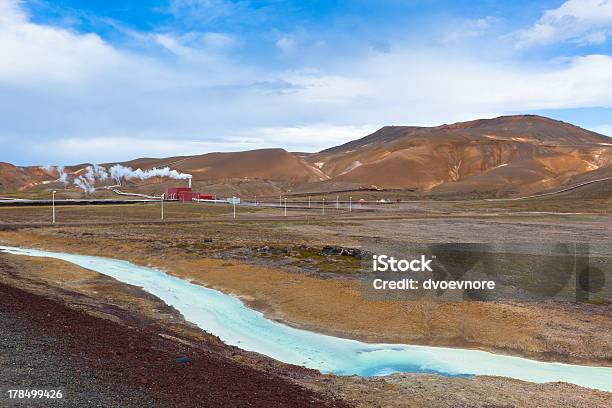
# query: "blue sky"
[[110, 80]]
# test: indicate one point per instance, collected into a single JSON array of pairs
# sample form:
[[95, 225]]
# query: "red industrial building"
[[184, 194]]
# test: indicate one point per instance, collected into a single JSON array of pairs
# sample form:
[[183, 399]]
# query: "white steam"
[[96, 173], [84, 183], [119, 172], [62, 176], [92, 174]]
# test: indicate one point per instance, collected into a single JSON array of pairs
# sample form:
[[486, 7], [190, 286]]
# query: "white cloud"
[[467, 29], [286, 44], [428, 87], [204, 10], [593, 38], [71, 97], [316, 87], [313, 137], [35, 55], [218, 40], [204, 47], [582, 21], [174, 45], [100, 149]]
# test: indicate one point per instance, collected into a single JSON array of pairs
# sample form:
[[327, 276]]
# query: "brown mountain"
[[263, 164], [14, 178], [509, 155]]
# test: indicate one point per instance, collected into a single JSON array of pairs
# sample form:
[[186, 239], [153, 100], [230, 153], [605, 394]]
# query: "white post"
[[308, 201], [162, 207], [350, 204], [323, 206], [337, 202], [53, 205], [234, 202], [285, 206]]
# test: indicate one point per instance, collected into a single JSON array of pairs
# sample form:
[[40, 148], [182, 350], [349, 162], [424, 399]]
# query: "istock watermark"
[[472, 271], [384, 263]]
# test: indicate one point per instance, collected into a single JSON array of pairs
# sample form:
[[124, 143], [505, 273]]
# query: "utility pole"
[[53, 205], [162, 207], [285, 206], [350, 204], [337, 202], [255, 201], [234, 203], [323, 206], [308, 201]]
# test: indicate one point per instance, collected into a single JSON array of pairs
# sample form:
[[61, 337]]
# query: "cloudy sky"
[[110, 80]]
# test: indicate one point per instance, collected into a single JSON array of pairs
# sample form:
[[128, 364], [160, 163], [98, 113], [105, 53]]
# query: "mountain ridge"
[[507, 155]]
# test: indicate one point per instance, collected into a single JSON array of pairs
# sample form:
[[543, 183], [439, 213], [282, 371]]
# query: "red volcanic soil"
[[103, 363]]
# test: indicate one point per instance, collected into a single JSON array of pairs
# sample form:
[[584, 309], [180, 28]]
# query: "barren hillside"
[[504, 156]]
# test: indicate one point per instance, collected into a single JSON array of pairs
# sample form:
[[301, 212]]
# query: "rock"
[[334, 250], [184, 360]]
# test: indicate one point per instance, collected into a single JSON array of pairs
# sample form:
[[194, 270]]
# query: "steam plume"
[[92, 173], [95, 172], [119, 172], [85, 184], [62, 176]]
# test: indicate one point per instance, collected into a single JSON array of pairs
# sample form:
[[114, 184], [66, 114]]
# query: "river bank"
[[56, 284], [104, 363], [336, 307], [236, 325]]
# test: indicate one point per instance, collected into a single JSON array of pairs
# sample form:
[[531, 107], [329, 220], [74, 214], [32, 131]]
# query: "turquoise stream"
[[227, 317]]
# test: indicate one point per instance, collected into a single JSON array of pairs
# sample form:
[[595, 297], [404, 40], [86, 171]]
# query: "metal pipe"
[[54, 206]]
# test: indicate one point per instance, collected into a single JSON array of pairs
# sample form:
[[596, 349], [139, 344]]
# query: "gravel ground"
[[26, 363], [101, 363]]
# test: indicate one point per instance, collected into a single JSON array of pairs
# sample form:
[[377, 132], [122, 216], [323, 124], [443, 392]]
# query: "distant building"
[[174, 193], [184, 195]]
